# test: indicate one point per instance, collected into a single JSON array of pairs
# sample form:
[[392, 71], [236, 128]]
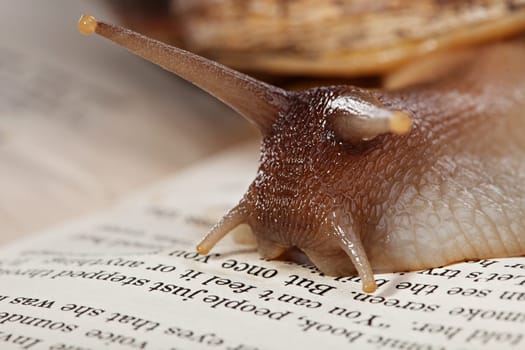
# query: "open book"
[[128, 277]]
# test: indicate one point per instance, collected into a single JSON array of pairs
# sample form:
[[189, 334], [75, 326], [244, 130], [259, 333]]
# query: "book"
[[130, 278]]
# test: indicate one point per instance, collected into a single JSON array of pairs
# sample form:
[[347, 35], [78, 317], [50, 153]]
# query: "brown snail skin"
[[376, 180]]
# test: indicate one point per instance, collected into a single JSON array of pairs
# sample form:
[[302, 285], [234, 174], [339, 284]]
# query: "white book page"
[[130, 279]]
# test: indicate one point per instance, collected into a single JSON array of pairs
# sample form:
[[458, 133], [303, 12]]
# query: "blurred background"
[[83, 122]]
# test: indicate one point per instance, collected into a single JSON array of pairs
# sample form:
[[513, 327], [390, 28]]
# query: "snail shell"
[[339, 38]]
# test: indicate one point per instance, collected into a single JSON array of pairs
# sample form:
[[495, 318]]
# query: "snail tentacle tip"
[[364, 118], [369, 286], [206, 245], [87, 24], [400, 123], [201, 249]]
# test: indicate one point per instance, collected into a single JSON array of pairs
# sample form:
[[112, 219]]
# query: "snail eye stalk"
[[257, 101], [359, 117]]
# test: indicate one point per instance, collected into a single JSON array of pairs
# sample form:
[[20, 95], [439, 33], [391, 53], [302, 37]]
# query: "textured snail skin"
[[452, 189]]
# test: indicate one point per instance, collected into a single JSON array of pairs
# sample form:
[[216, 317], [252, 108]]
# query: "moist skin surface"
[[451, 190]]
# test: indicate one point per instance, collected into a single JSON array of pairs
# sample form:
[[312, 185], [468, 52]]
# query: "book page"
[[130, 279]]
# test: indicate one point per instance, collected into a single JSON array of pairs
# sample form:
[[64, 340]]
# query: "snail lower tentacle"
[[235, 217]]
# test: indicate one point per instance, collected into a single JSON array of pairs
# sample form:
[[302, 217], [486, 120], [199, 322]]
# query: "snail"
[[370, 180]]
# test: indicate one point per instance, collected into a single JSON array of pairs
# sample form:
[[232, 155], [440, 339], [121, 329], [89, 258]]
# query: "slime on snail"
[[369, 180]]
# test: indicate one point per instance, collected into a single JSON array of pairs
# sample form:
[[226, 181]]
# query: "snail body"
[[376, 180]]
